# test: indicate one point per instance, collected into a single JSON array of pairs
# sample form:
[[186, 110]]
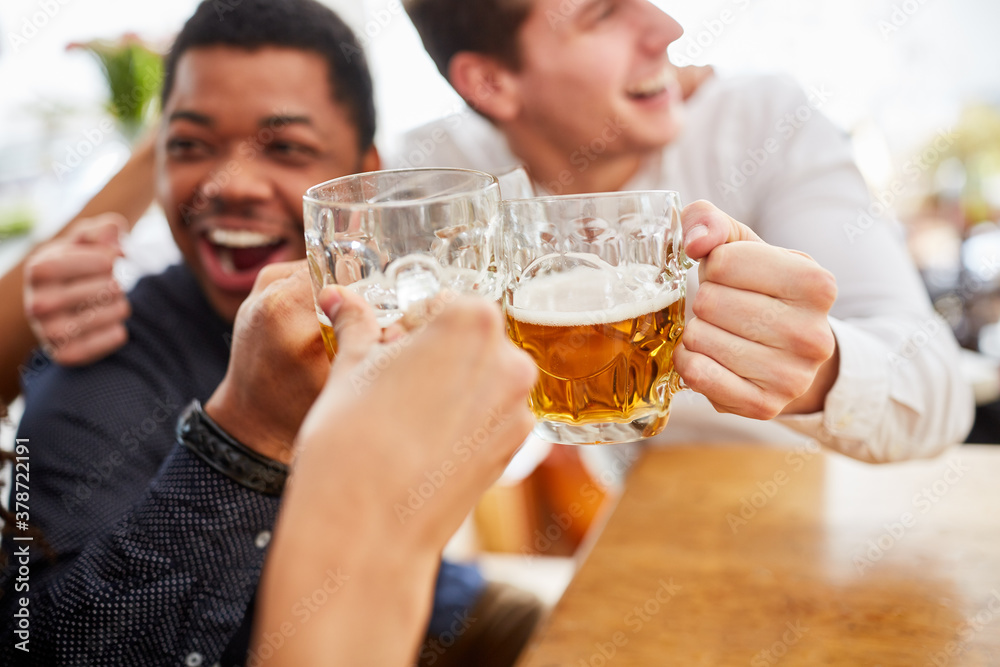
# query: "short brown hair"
[[481, 26]]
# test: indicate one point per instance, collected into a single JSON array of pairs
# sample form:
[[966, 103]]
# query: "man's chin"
[[662, 130], [225, 303]]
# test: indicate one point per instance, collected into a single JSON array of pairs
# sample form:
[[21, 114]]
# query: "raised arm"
[[128, 194], [379, 426]]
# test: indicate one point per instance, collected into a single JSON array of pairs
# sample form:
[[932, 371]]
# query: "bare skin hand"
[[447, 399], [277, 365], [760, 343], [74, 305], [456, 391], [692, 77]]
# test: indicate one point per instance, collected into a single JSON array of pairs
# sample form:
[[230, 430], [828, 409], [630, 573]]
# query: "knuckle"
[[269, 274], [694, 336], [74, 355], [822, 287], [717, 267], [487, 312], [106, 263], [527, 373], [40, 263], [122, 309], [63, 350], [813, 343], [118, 337], [52, 332], [706, 301], [789, 384], [273, 304], [525, 419], [764, 406], [694, 372], [60, 356], [36, 307], [33, 269]]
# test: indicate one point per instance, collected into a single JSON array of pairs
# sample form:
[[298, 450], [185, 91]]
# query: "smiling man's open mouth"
[[652, 88], [233, 257]]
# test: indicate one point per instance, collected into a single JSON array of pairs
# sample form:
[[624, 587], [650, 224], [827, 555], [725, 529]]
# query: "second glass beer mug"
[[595, 294], [399, 237]]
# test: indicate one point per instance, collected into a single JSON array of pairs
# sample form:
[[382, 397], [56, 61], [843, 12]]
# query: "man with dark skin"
[[259, 106]]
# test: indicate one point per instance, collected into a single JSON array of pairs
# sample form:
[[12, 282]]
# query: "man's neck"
[[575, 171]]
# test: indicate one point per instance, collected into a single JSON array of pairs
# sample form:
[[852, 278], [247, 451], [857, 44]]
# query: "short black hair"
[[304, 25]]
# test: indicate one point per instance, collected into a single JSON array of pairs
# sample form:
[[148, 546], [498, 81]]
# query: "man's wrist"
[[241, 425], [217, 448]]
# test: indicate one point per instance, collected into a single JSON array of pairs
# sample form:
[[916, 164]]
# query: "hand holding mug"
[[760, 343]]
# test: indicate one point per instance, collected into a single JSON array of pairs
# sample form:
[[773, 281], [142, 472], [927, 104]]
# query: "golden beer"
[[329, 338], [603, 366]]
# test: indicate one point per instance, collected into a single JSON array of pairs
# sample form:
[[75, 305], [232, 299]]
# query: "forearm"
[[129, 193], [369, 596], [18, 341], [339, 534], [339, 527]]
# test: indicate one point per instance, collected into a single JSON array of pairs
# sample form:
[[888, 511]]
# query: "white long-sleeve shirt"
[[759, 149]]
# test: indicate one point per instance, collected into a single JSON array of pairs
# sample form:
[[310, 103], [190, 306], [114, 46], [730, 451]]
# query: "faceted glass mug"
[[594, 292], [399, 237]]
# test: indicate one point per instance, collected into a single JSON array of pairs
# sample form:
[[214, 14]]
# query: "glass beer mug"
[[594, 292], [399, 237]]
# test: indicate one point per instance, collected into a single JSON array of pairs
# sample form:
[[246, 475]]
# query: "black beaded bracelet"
[[199, 433]]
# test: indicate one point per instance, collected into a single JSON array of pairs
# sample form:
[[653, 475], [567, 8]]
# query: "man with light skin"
[[795, 317]]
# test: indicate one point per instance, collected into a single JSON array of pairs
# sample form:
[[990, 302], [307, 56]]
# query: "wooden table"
[[747, 555]]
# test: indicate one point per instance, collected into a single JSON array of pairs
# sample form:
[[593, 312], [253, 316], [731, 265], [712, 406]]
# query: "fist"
[[277, 366], [73, 304], [450, 395], [760, 343]]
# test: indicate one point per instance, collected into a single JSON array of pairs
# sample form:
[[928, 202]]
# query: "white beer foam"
[[578, 297]]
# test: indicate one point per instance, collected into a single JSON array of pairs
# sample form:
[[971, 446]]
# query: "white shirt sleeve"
[[899, 393]]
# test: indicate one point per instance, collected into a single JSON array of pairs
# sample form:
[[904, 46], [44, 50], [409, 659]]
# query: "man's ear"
[[486, 85]]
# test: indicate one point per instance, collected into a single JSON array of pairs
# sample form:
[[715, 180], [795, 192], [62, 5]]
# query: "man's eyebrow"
[[278, 122], [192, 116]]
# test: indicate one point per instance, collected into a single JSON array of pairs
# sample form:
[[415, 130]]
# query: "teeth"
[[240, 238], [226, 261], [650, 86]]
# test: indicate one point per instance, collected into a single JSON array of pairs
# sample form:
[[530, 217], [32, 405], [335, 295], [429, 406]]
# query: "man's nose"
[[238, 180], [659, 28]]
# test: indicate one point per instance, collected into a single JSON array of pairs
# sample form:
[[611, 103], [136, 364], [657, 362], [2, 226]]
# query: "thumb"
[[353, 323], [706, 227], [105, 230]]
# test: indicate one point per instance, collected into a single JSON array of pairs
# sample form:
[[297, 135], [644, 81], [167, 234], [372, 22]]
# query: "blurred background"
[[916, 83]]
